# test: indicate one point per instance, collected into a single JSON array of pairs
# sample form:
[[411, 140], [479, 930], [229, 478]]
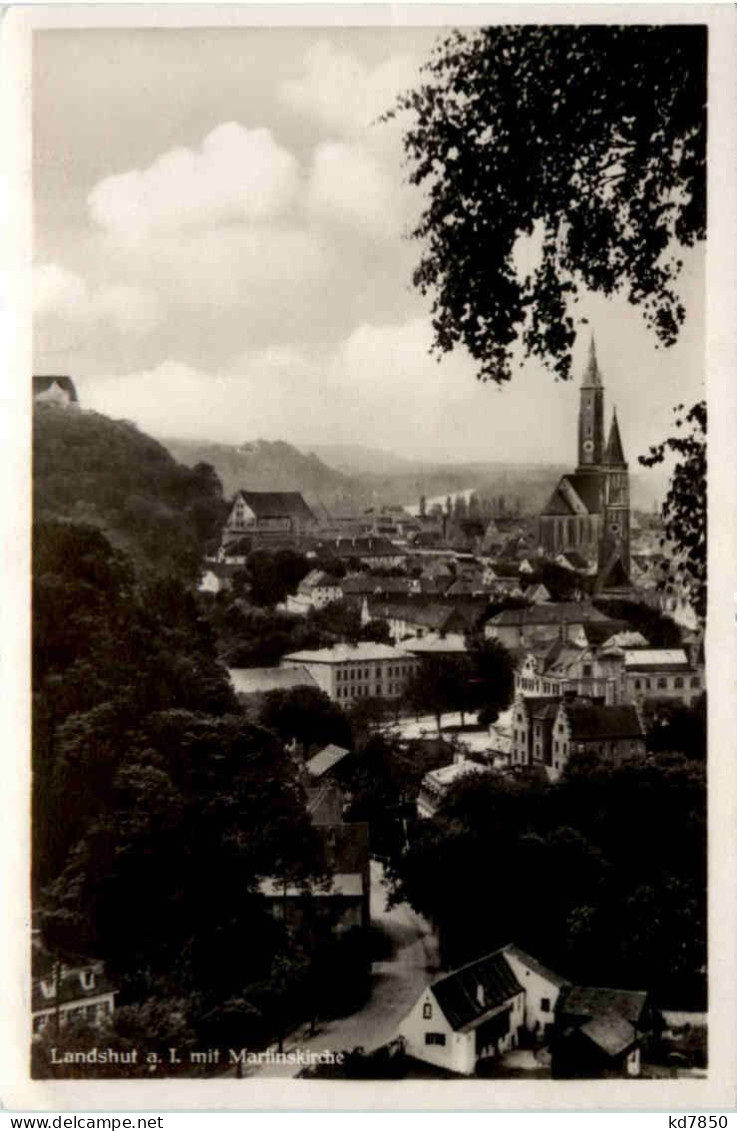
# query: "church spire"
[[591, 376], [614, 451]]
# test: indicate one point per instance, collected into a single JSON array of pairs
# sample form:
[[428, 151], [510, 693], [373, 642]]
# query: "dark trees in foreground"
[[602, 876]]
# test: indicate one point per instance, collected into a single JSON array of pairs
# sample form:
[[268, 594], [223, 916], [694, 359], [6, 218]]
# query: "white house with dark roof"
[[480, 1010]]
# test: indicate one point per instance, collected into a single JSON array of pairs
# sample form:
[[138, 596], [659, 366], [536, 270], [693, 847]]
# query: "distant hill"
[[359, 459], [90, 469], [263, 465], [355, 477]]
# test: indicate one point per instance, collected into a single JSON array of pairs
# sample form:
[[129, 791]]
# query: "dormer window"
[[87, 978], [48, 989]]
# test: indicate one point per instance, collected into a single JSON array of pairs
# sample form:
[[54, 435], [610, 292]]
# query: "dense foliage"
[[157, 808], [249, 636], [591, 137], [482, 679], [105, 473], [586, 874], [684, 510]]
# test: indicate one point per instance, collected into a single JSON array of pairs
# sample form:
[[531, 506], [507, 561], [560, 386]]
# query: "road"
[[395, 985]]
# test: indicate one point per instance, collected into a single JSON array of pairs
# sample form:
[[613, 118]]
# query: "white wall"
[[536, 988], [458, 1052]]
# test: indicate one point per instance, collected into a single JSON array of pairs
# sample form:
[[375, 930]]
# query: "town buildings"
[[547, 731], [347, 672]]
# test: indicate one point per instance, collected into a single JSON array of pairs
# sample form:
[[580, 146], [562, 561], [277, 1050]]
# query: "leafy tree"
[[593, 137], [684, 510], [490, 685], [437, 687], [305, 715], [590, 857], [274, 575], [657, 628]]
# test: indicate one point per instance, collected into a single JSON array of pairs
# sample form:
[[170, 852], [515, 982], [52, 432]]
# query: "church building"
[[589, 510]]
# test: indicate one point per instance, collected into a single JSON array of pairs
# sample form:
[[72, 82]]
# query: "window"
[[427, 1011], [587, 671], [434, 1038], [637, 685], [678, 681], [545, 1005], [662, 683], [695, 681]]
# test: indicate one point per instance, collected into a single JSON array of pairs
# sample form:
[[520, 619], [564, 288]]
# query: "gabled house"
[[55, 389], [536, 625], [581, 727], [481, 1010], [68, 991], [343, 902], [599, 1032], [268, 517]]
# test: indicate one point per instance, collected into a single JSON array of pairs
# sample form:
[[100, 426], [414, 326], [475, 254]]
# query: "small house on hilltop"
[[55, 389]]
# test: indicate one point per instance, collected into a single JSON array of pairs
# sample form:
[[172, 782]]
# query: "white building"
[[480, 1010], [347, 672], [315, 591], [661, 673], [437, 784]]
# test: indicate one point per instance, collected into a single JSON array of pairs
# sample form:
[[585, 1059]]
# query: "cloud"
[[348, 184], [343, 94], [236, 175], [62, 294], [379, 386]]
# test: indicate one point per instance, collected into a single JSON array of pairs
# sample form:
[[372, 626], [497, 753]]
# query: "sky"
[[221, 253]]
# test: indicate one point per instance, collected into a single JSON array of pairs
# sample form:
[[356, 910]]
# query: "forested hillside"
[[105, 473]]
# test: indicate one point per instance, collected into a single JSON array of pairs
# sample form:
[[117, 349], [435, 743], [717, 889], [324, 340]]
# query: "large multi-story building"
[[347, 672], [589, 510]]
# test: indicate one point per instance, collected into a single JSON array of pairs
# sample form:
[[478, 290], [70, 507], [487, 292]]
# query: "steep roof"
[[466, 996], [538, 967], [614, 454], [587, 487], [587, 1002], [591, 375], [564, 612], [589, 721], [277, 504], [610, 1032], [43, 382]]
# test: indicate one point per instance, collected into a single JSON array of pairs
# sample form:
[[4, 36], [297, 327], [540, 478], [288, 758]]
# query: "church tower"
[[614, 538], [591, 417]]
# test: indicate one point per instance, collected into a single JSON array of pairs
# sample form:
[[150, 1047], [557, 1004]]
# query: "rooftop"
[[253, 681], [467, 995], [270, 504], [589, 721], [365, 652], [656, 658], [325, 760]]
